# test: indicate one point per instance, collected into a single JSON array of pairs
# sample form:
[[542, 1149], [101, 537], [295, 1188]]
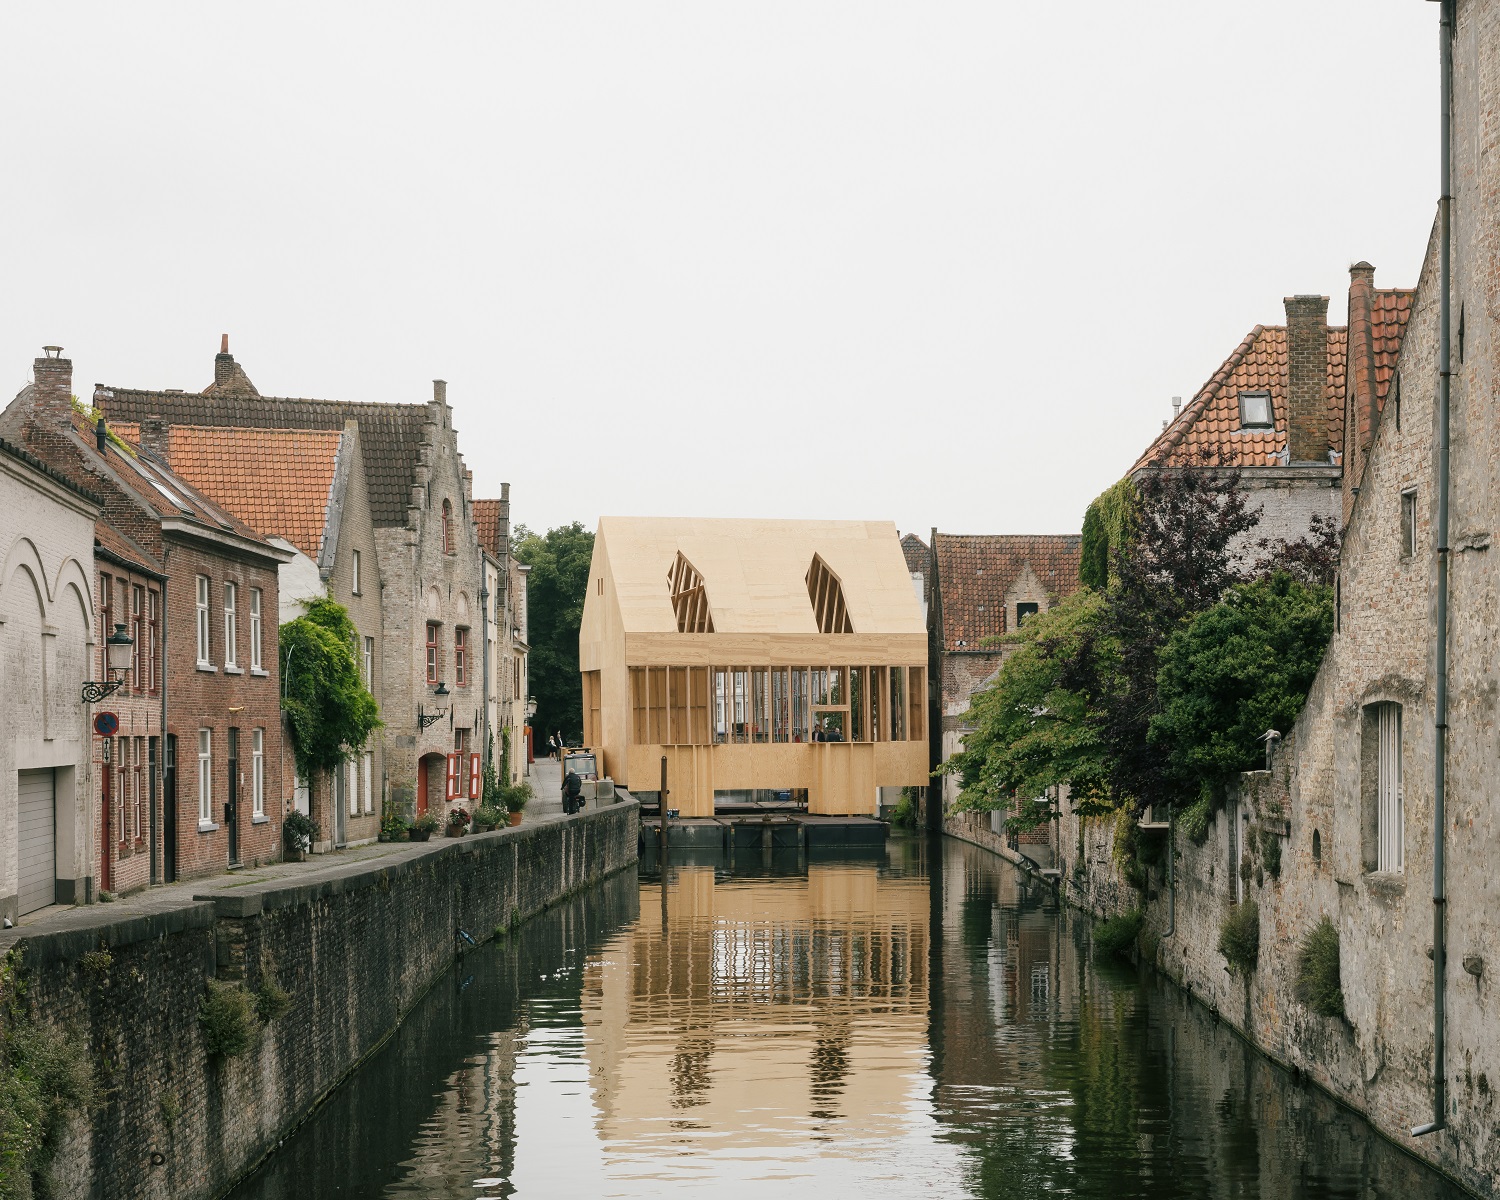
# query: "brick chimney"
[[440, 391], [223, 363], [52, 386], [156, 438], [1307, 378]]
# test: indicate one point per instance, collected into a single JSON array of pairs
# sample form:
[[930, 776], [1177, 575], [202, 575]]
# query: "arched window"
[[447, 528]]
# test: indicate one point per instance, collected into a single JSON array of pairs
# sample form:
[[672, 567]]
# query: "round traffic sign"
[[106, 724]]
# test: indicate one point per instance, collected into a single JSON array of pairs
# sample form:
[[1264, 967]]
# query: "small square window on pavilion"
[[1255, 411]]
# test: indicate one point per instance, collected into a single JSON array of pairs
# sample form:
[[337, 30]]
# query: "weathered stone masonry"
[[355, 947]]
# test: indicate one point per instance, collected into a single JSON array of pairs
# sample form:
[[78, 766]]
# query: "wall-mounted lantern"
[[425, 719], [117, 651]]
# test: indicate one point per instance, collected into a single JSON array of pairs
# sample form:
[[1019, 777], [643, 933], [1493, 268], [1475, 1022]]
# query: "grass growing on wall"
[[45, 1075], [228, 1020], [1117, 936], [1318, 985], [1239, 937]]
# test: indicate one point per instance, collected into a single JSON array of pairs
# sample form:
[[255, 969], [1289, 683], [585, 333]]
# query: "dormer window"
[[689, 597], [1255, 411], [827, 596]]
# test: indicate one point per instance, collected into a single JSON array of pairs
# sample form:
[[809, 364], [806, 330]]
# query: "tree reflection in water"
[[920, 1020]]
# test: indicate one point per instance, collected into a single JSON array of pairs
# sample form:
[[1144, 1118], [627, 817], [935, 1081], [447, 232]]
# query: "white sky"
[[941, 263]]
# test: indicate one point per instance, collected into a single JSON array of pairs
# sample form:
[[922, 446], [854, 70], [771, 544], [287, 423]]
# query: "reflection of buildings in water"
[[770, 1005]]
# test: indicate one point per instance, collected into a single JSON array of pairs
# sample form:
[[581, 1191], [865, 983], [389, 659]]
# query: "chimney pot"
[[1307, 378], [52, 351], [223, 343], [101, 436]]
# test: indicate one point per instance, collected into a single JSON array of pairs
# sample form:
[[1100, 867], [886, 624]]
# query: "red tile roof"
[[1208, 429], [976, 571], [277, 481], [487, 516]]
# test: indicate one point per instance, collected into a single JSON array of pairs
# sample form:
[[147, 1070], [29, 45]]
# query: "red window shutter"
[[475, 788], [453, 776]]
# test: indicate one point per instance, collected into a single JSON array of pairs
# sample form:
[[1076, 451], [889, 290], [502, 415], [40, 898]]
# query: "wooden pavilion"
[[754, 656]]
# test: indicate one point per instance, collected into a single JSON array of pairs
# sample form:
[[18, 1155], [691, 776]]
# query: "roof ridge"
[[1171, 437]]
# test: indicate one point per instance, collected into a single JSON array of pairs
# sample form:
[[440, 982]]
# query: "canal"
[[917, 1021]]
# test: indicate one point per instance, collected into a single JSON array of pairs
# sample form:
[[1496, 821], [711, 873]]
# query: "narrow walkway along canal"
[[850, 1027]]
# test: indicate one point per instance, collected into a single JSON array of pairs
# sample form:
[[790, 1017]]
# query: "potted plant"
[[458, 822], [297, 833], [422, 828], [515, 796], [488, 817], [393, 827]]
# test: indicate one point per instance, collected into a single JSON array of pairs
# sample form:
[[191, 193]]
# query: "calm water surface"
[[916, 1022]]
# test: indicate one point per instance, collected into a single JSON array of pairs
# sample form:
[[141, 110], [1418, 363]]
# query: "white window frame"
[[255, 601], [258, 773], [351, 785], [205, 778], [354, 572], [1389, 807], [205, 649], [369, 664], [231, 626], [365, 763]]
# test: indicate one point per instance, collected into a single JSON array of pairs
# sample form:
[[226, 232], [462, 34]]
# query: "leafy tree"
[[328, 709], [1312, 558], [556, 589], [1177, 564], [1238, 669], [1030, 732]]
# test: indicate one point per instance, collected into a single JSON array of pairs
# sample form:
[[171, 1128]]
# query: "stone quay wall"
[[354, 947], [1259, 847]]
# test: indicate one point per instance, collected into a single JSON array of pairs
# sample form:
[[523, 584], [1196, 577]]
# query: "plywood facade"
[[737, 709]]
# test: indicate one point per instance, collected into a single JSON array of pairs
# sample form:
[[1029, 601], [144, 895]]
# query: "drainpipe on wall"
[[1440, 715], [484, 639]]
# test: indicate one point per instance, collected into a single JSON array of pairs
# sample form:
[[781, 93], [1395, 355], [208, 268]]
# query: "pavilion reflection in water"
[[761, 1008]]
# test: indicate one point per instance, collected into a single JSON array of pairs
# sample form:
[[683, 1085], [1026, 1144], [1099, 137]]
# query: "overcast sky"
[[938, 263]]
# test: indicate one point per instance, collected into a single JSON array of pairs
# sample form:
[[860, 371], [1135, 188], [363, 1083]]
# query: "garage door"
[[38, 841]]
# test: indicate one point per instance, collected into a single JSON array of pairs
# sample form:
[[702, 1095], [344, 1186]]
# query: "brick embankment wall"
[[354, 949]]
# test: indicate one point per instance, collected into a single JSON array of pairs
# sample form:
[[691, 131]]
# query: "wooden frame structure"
[[730, 648]]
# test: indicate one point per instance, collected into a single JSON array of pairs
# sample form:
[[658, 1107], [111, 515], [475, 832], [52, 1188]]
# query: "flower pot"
[[456, 830], [419, 835], [515, 818]]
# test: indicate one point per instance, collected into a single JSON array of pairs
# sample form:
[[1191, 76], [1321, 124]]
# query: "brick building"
[[505, 641], [1275, 410], [303, 490], [189, 783], [46, 618], [429, 679], [980, 588]]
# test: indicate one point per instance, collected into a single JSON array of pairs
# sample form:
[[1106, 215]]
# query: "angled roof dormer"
[[827, 596], [689, 597]]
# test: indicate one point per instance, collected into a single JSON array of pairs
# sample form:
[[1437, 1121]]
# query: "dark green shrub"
[[1194, 820], [271, 1001], [1117, 936], [298, 831], [904, 815], [1270, 852], [228, 1020], [1239, 938], [1318, 984]]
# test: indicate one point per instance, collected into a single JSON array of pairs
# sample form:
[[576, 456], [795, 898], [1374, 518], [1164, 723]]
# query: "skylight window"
[[1255, 411]]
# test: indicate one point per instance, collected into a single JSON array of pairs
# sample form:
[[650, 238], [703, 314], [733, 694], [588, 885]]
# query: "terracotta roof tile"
[[389, 434], [277, 481], [489, 516], [975, 572], [1210, 424]]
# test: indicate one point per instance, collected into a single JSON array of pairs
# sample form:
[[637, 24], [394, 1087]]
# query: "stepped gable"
[[975, 573]]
